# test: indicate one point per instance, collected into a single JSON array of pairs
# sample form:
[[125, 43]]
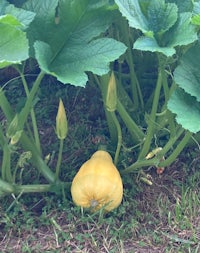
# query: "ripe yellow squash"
[[98, 183]]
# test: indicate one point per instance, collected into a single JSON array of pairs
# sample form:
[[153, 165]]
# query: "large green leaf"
[[43, 27], [68, 46], [131, 10], [163, 24], [3, 4], [161, 16], [69, 67], [13, 42], [24, 17], [187, 110], [183, 5], [183, 32], [187, 74], [150, 44], [152, 17]]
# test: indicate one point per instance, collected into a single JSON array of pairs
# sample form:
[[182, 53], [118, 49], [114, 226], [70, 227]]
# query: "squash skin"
[[98, 183]]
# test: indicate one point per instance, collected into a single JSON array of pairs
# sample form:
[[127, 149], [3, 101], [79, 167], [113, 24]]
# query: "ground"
[[162, 217]]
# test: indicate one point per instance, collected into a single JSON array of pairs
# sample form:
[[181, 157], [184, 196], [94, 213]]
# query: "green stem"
[[33, 117], [136, 91], [134, 130], [5, 107], [42, 187], [59, 159], [177, 150], [6, 187], [29, 102], [36, 159], [6, 170], [151, 125], [2, 137], [139, 164], [154, 161], [32, 188], [119, 133], [166, 88]]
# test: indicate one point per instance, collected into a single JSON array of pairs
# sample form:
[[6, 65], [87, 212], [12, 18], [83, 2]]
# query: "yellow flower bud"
[[61, 122], [111, 98]]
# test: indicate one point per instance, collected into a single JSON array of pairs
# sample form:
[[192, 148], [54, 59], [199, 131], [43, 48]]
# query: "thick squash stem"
[[59, 160], [32, 113], [119, 136]]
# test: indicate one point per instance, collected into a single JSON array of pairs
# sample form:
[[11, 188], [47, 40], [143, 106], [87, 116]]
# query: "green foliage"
[[71, 62], [183, 5], [187, 110], [75, 41], [66, 39], [66, 48], [185, 102], [13, 42], [65, 44], [161, 23]]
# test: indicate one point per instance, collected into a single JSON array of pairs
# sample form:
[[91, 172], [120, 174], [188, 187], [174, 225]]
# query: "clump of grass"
[[159, 218]]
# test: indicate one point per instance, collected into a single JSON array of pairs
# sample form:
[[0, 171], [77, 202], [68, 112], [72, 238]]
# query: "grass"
[[158, 218]]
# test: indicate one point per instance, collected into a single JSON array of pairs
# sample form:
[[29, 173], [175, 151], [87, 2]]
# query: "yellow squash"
[[98, 183]]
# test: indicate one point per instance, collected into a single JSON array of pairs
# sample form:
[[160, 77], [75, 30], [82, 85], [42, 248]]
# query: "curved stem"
[[33, 117], [37, 159], [29, 102], [136, 133], [139, 164], [177, 150], [156, 160]]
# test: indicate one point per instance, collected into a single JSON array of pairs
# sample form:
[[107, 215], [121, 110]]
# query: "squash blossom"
[[111, 98], [61, 122]]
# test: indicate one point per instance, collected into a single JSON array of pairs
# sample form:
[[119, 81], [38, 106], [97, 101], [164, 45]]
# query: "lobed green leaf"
[[13, 42], [70, 66], [187, 74], [164, 25], [150, 44], [187, 110], [67, 45], [183, 5], [161, 16]]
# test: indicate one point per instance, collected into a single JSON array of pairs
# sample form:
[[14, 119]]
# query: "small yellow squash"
[[98, 183]]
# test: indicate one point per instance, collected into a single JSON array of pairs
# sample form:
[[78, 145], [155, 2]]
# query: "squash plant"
[[154, 44], [63, 37], [161, 37]]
